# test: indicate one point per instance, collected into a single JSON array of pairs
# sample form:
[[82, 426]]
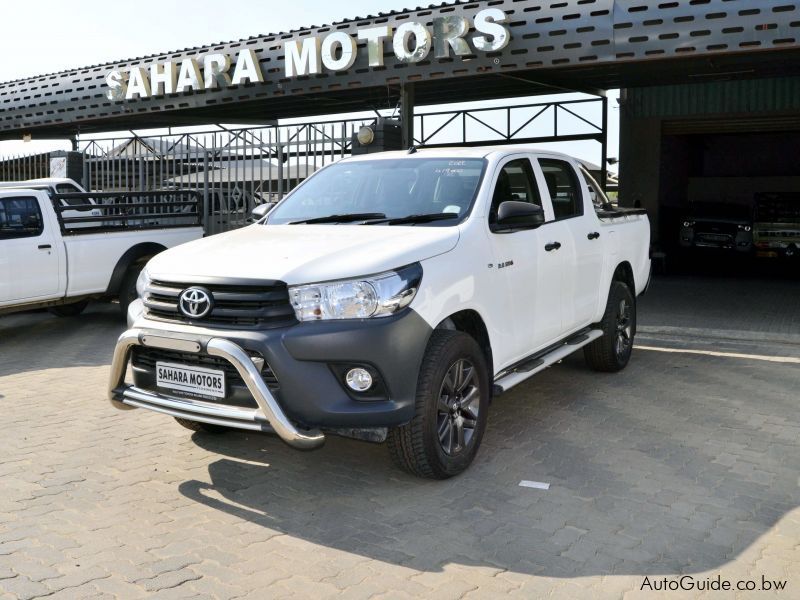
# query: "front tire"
[[127, 290], [612, 352], [203, 427], [451, 409]]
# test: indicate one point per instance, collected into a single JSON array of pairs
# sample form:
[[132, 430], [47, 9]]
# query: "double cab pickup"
[[388, 298]]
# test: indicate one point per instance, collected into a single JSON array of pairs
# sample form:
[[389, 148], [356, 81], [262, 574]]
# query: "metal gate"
[[236, 169], [24, 167], [233, 169]]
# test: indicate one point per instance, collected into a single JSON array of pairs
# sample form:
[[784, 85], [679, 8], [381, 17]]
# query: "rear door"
[[583, 270], [29, 256]]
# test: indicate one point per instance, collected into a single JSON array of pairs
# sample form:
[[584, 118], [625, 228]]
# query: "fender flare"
[[131, 256]]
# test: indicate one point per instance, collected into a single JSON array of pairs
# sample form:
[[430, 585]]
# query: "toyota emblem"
[[195, 302]]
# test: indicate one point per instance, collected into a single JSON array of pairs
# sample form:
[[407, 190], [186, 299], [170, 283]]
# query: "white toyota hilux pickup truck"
[[60, 250], [388, 298]]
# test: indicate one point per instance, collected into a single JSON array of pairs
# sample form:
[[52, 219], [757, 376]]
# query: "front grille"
[[146, 358], [779, 234], [715, 238], [258, 306]]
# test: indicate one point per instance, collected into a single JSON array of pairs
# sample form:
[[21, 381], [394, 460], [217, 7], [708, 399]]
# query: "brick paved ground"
[[687, 463]]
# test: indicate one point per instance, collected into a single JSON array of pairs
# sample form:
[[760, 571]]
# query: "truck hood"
[[299, 254]]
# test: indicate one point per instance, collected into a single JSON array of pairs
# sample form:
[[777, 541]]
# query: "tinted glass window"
[[596, 194], [20, 217], [515, 182], [68, 188], [563, 187], [710, 210], [393, 187]]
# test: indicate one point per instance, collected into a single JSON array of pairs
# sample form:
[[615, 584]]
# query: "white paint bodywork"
[[52, 267], [527, 306]]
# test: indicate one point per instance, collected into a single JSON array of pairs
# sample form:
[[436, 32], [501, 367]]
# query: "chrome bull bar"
[[269, 415]]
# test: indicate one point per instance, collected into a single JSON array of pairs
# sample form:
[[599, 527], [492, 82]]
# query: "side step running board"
[[537, 364]]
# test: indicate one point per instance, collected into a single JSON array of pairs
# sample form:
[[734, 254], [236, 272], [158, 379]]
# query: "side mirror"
[[261, 211], [513, 215]]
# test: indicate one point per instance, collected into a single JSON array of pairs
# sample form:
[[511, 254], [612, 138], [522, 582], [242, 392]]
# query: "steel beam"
[[574, 44]]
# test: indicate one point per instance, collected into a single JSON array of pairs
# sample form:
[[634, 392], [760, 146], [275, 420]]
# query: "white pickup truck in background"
[[61, 250], [61, 185], [387, 298]]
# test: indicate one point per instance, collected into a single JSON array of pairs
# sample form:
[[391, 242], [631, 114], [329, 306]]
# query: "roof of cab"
[[459, 152], [43, 181]]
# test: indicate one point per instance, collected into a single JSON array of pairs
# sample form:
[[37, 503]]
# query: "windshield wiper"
[[347, 218], [413, 219]]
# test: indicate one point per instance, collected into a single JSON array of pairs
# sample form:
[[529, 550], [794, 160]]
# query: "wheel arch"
[[135, 254], [470, 322], [624, 274]]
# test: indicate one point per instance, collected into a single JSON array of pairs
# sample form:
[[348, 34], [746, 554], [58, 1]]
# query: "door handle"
[[552, 246], [594, 235], [45, 246]]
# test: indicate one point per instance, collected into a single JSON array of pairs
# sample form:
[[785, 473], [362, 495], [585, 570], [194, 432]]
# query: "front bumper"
[[740, 241], [304, 358], [268, 417]]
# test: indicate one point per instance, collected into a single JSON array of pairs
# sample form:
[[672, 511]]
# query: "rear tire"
[[69, 310], [203, 427], [127, 289], [612, 352], [450, 412]]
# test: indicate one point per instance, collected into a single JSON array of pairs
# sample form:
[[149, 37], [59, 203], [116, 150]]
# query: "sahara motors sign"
[[411, 42]]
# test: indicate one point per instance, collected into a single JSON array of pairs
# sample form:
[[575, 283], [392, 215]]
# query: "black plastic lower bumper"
[[304, 366]]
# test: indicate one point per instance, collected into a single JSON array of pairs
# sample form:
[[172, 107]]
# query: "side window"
[[68, 188], [596, 194], [563, 187], [20, 217], [515, 182]]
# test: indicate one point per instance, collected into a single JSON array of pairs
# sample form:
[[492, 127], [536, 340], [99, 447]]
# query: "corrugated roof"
[[244, 40]]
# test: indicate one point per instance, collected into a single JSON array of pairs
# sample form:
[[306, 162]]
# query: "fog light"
[[358, 379]]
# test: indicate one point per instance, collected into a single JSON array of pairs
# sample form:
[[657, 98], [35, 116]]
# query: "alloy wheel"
[[458, 407], [624, 338]]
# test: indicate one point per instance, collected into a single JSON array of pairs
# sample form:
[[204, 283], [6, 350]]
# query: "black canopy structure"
[[568, 45]]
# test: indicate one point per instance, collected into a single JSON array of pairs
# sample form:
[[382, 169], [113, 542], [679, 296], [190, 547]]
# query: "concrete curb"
[[731, 335]]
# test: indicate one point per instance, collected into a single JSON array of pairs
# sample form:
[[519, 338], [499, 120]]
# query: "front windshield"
[[720, 210], [385, 189]]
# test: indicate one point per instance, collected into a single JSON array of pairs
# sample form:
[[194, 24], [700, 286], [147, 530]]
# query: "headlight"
[[375, 296], [142, 282], [688, 223]]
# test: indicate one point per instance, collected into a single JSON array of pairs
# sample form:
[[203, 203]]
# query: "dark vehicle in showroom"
[[777, 228], [718, 226]]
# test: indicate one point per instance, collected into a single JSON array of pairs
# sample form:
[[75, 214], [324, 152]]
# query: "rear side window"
[[596, 193], [68, 188], [563, 187], [20, 217]]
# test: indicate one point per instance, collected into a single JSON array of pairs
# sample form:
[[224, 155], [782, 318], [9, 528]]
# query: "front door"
[[29, 268], [532, 274]]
